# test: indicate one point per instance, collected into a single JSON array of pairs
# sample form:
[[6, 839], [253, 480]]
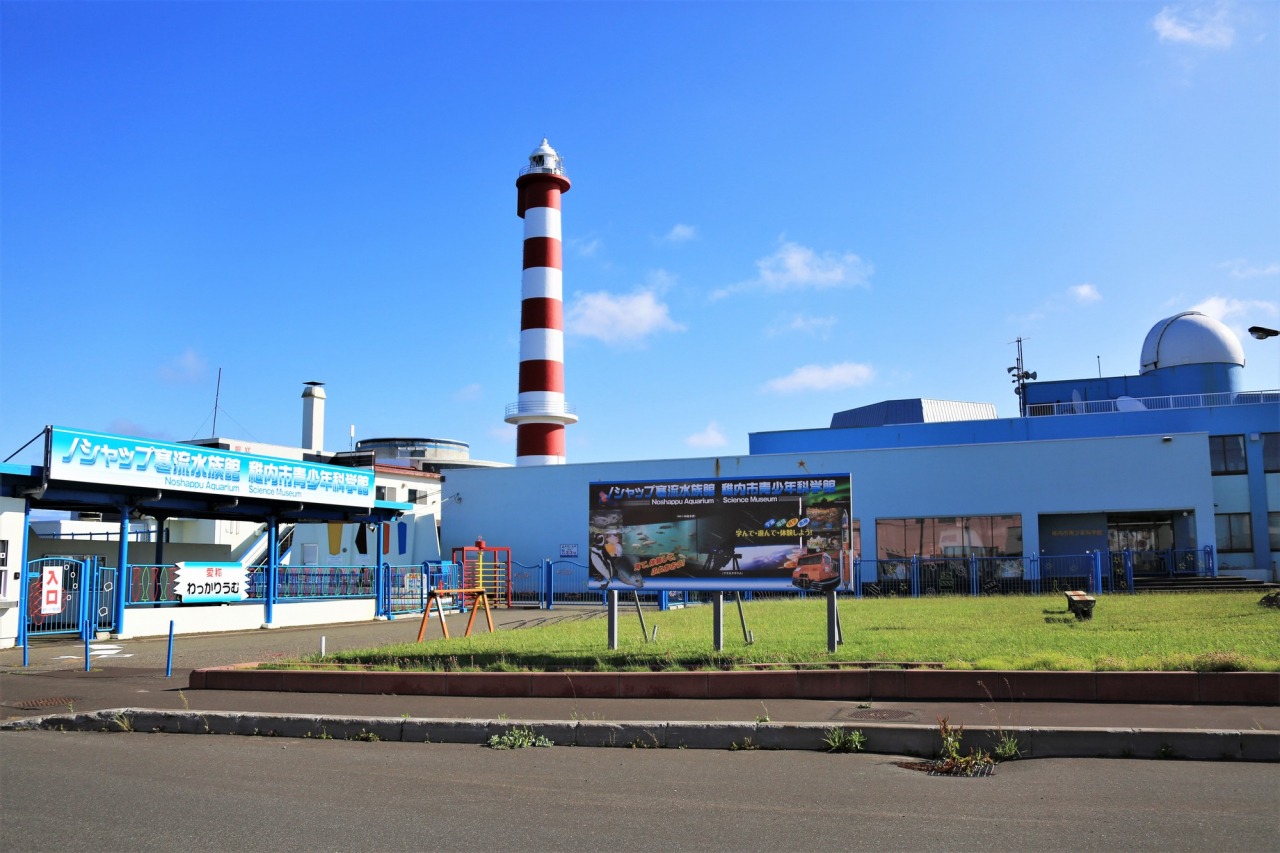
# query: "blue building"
[[1175, 470]]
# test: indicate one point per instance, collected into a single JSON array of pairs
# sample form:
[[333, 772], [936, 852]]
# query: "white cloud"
[[1227, 309], [681, 234], [1084, 293], [1240, 268], [817, 377], [184, 368], [800, 324], [626, 318], [585, 248], [796, 267], [707, 438], [1200, 24], [504, 433], [468, 393]]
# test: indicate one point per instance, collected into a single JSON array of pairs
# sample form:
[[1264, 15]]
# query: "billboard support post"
[[748, 637], [834, 635], [717, 620], [613, 619], [644, 630]]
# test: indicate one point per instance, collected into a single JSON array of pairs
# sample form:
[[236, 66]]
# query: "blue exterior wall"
[[1215, 420], [1165, 382], [535, 510]]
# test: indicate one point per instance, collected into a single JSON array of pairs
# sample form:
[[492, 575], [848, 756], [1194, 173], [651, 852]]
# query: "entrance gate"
[[69, 595]]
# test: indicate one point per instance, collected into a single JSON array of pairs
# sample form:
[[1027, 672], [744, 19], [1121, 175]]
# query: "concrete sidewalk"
[[54, 690]]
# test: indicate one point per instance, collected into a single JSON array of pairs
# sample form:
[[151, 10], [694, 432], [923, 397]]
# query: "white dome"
[[1190, 338]]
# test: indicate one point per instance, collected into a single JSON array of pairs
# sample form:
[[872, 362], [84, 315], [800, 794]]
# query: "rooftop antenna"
[[1099, 367], [353, 437], [1020, 375], [216, 395]]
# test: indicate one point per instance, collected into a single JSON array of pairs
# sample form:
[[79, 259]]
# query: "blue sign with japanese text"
[[92, 457]]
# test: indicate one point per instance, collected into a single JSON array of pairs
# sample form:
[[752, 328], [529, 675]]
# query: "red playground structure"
[[486, 567]]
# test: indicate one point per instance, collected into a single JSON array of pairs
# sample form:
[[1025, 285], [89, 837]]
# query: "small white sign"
[[568, 550], [204, 583], [51, 585]]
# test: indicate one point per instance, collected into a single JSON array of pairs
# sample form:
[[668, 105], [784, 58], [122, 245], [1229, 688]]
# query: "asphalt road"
[[105, 792]]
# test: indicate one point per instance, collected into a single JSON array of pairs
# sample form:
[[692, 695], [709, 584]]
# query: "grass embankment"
[[1196, 632]]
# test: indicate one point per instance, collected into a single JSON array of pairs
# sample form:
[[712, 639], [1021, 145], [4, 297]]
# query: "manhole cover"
[[880, 714], [47, 702]]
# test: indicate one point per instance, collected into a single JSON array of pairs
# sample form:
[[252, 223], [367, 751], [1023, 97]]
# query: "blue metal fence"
[[68, 595], [528, 584], [404, 589]]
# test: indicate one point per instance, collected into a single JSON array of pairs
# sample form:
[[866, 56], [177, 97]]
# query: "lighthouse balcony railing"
[[543, 170], [559, 409], [1143, 404]]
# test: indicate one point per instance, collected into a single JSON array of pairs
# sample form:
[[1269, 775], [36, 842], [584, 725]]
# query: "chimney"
[[313, 416]]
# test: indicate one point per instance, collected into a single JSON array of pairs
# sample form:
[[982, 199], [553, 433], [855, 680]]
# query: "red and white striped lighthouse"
[[540, 413]]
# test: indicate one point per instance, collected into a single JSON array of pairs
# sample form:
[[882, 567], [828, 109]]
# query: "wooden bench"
[[1080, 603]]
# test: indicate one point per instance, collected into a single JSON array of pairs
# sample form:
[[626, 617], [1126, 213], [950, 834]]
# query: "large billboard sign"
[[756, 533], [91, 457]]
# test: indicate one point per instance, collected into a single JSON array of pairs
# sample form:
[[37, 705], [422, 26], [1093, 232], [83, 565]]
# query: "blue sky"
[[778, 211]]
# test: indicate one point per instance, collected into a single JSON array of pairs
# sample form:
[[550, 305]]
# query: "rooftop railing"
[[1147, 404]]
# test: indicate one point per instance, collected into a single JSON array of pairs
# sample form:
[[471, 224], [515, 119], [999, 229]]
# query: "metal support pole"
[[833, 622], [122, 573], [639, 612], [24, 582], [168, 666], [272, 533], [380, 585], [548, 590], [747, 636], [717, 620], [159, 558], [612, 597]]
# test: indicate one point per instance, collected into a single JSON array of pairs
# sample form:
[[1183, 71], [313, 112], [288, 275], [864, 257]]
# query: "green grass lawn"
[[1186, 631]]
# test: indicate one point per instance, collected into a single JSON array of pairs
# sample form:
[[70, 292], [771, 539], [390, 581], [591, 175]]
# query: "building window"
[[1271, 452], [1273, 524], [1234, 531], [1226, 454], [380, 493], [952, 536]]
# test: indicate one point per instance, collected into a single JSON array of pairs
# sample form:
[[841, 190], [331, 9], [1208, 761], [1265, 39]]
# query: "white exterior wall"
[[536, 510], [154, 621], [12, 530]]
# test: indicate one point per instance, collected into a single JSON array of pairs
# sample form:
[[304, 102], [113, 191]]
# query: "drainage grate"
[[47, 702], [881, 714]]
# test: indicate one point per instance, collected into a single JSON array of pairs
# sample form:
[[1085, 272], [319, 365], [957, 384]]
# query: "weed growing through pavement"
[[844, 740], [1004, 745], [952, 762], [519, 737]]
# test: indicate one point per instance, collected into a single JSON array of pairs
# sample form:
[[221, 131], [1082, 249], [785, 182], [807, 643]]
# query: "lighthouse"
[[540, 413]]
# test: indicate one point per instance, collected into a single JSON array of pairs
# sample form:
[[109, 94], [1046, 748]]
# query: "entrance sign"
[[51, 587], [210, 583], [92, 457], [755, 533]]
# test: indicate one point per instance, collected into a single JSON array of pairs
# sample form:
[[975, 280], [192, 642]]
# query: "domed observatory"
[[1188, 359], [1191, 353]]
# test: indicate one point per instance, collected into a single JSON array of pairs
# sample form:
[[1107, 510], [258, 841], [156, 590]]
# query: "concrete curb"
[[1176, 688], [881, 738]]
